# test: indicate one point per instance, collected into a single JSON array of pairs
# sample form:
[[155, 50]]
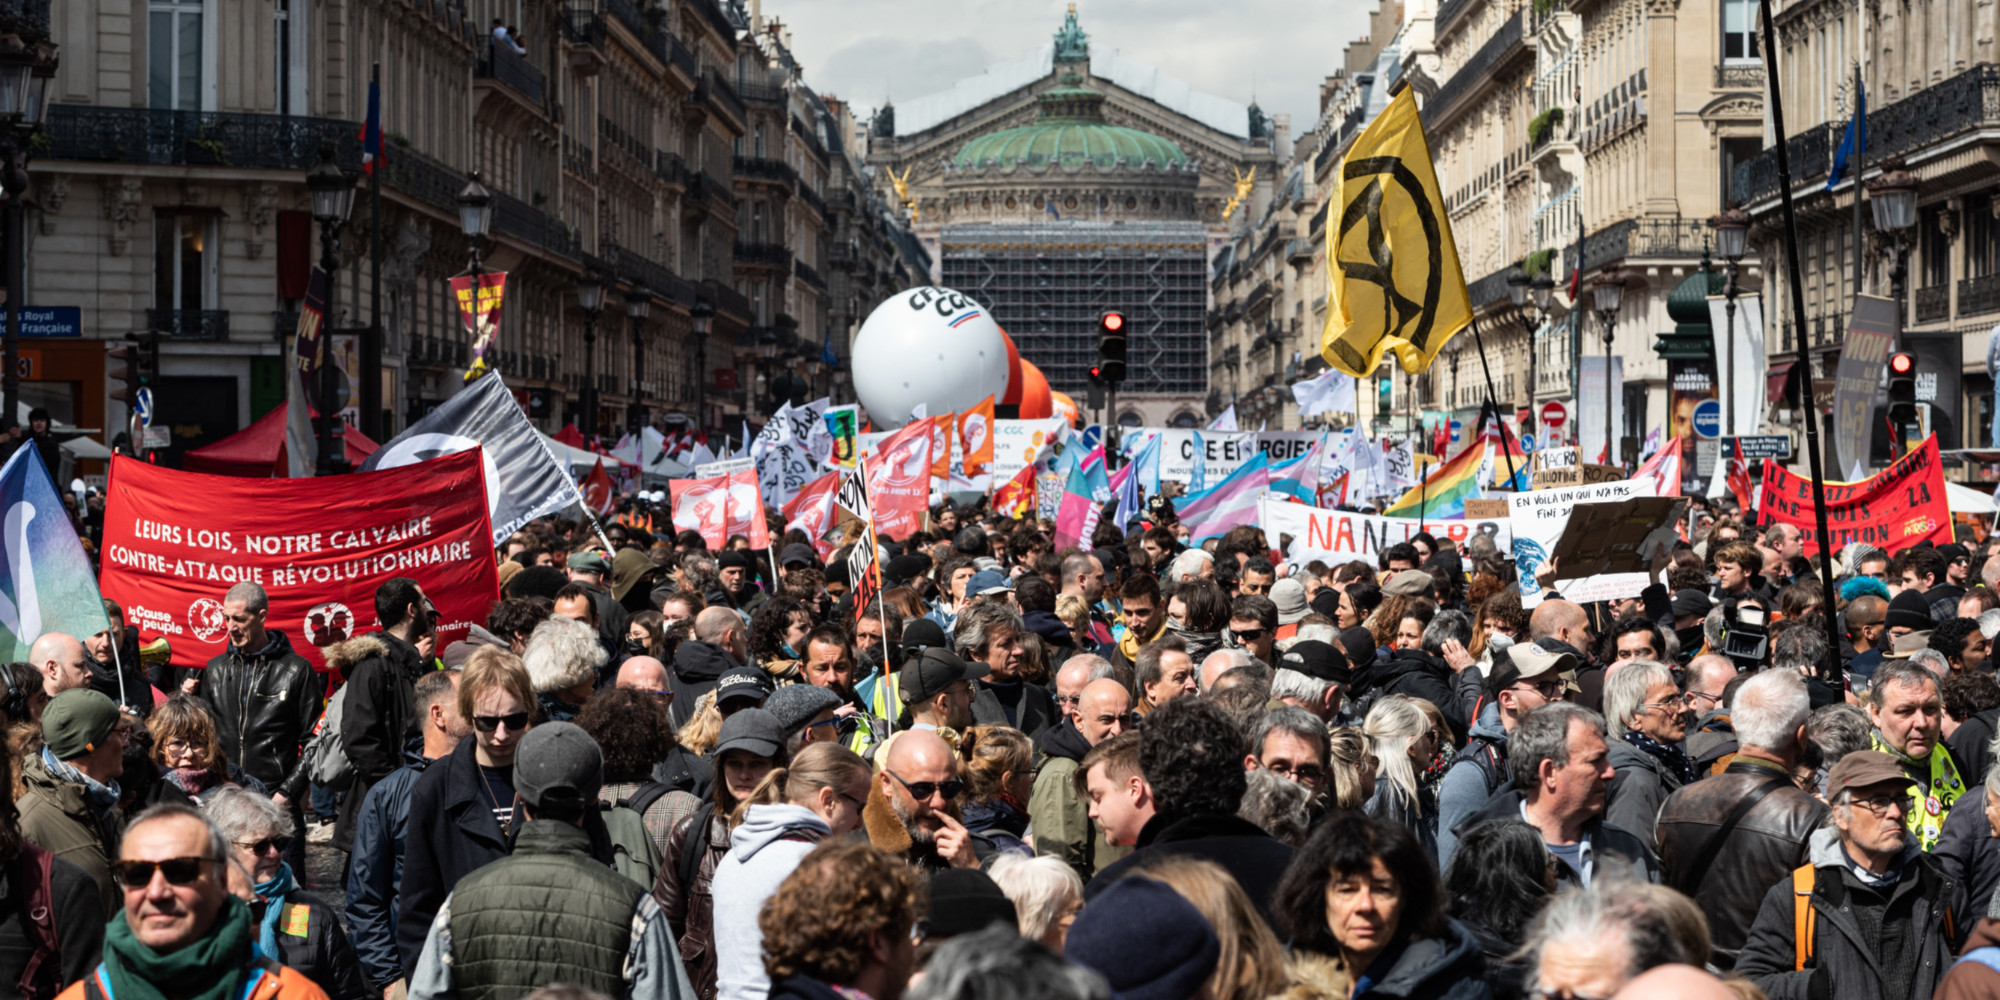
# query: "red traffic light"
[[1112, 322], [1902, 364]]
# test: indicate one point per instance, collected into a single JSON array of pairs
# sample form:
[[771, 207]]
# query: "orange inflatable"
[[1062, 404], [1012, 397], [1036, 403]]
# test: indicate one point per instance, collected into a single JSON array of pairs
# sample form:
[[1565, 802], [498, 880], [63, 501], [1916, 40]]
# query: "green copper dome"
[[1071, 131]]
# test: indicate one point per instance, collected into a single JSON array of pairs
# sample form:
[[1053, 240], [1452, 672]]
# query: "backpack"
[[689, 868], [325, 756], [38, 907], [1803, 918], [633, 852]]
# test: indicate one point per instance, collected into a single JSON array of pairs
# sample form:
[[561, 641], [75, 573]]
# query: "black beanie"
[[1909, 610]]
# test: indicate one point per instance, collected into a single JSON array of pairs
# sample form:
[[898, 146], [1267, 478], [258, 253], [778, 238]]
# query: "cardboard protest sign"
[[1618, 537], [319, 547], [1577, 475], [1892, 509], [1481, 509], [1339, 536], [1539, 517]]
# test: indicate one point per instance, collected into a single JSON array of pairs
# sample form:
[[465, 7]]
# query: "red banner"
[[1892, 510], [720, 507], [812, 511], [899, 479], [175, 542]]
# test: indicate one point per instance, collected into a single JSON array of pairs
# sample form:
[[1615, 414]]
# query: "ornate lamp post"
[[1892, 197], [703, 315], [332, 191], [1608, 295], [1732, 231], [638, 305], [25, 72], [589, 296]]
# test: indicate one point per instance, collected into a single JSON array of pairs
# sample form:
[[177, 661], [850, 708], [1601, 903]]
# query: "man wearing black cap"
[[1950, 584], [1691, 609], [1313, 675], [1524, 677], [1909, 611], [550, 912], [797, 555], [738, 588], [937, 686]]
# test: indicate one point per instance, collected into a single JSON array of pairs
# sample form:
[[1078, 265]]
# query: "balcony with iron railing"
[[716, 92], [761, 93], [582, 26], [711, 13], [774, 255], [1646, 237], [1482, 67], [1933, 303], [670, 167], [522, 221], [812, 199], [631, 265], [808, 274], [628, 15], [89, 133], [502, 64], [762, 168], [190, 324], [1979, 294]]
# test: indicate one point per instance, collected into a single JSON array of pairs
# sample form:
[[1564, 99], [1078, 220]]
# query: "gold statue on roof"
[[1244, 182], [902, 186]]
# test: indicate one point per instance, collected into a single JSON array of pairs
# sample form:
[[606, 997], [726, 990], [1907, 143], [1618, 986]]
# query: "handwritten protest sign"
[[1332, 536], [1539, 517]]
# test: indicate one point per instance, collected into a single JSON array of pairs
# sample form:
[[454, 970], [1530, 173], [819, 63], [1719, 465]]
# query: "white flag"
[[1331, 391], [1224, 421]]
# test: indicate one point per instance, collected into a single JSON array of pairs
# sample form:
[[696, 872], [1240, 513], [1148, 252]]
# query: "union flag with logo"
[[721, 506]]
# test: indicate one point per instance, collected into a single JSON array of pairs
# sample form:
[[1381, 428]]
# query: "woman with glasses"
[[794, 808], [1363, 894], [188, 752], [290, 925], [1000, 778], [751, 746], [1403, 741], [1647, 718], [635, 733]]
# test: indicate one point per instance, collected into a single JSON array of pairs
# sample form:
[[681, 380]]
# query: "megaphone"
[[156, 653]]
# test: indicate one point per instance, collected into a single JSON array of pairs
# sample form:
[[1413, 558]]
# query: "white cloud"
[[862, 50]]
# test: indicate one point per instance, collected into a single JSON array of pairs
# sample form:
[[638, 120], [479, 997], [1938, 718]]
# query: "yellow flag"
[[1396, 285]]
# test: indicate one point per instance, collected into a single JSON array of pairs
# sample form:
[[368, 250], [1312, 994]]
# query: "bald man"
[[644, 673], [1220, 662], [689, 772], [1562, 627], [60, 659], [1059, 812], [917, 772], [719, 644], [1076, 672], [1865, 616], [1707, 685]]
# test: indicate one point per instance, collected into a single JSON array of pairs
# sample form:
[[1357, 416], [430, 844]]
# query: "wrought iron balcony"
[[1979, 295], [516, 218], [512, 69], [28, 18], [674, 53], [190, 324], [1933, 303], [761, 93], [582, 26], [621, 140], [764, 254], [631, 265], [1492, 288], [196, 138], [711, 13], [627, 15], [808, 274], [766, 169], [719, 95], [813, 201], [1658, 236], [670, 167], [1481, 68]]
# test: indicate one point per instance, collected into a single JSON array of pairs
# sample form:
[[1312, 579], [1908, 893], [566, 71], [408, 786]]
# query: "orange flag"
[[975, 437], [1016, 497], [943, 429]]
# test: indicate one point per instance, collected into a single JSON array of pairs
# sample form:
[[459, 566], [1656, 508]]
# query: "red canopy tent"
[[259, 450]]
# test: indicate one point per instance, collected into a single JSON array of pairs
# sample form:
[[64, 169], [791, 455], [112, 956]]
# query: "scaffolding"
[[1048, 282]]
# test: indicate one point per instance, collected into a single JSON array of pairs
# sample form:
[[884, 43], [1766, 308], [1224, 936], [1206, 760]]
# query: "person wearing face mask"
[[818, 797], [778, 632]]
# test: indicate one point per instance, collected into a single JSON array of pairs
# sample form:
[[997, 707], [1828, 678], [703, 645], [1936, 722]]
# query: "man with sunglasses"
[[920, 781], [1253, 625], [1880, 916], [1524, 677], [182, 933]]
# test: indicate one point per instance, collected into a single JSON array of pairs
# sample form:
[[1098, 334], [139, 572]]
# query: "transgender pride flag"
[[46, 582], [1229, 504], [1077, 513]]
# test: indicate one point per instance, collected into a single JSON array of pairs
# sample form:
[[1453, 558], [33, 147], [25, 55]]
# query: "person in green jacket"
[[1057, 807], [70, 805]]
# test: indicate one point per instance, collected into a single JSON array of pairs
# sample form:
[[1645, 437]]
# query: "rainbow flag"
[[1442, 494]]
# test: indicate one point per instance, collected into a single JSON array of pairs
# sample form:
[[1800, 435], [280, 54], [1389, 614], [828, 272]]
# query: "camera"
[[1745, 637]]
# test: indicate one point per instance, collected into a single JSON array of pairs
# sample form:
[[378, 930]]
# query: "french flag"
[[371, 130]]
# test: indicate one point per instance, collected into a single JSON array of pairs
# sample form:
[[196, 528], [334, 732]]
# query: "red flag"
[[1016, 497], [943, 429], [598, 493], [811, 511], [720, 507], [1739, 483], [899, 479]]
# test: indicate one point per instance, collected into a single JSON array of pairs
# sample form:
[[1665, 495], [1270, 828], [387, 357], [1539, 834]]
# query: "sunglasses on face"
[[139, 874], [923, 790], [488, 723], [1247, 635], [267, 845]]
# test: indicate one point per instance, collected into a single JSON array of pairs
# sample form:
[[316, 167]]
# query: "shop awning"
[[1774, 382]]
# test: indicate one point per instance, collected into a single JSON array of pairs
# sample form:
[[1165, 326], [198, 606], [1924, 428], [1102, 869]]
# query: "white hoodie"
[[763, 851]]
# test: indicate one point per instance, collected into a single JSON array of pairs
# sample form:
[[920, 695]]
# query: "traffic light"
[[148, 357], [1094, 393], [1111, 347], [128, 357], [1902, 395]]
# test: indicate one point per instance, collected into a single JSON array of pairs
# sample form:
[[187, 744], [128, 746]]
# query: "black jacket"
[[379, 717], [1035, 713], [1253, 857], [1606, 839], [322, 952], [1966, 848], [697, 666], [375, 869], [1448, 968], [138, 689], [1763, 848], [266, 704], [450, 833], [1417, 674], [1972, 744], [79, 924]]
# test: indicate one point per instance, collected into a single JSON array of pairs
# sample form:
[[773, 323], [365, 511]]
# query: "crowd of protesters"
[[1143, 771]]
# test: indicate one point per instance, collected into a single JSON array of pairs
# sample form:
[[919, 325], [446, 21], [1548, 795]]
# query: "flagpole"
[[1829, 668], [1860, 152], [1480, 342]]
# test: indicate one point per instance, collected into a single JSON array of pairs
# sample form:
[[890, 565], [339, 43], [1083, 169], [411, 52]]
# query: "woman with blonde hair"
[[189, 752], [999, 768], [1352, 766], [818, 796], [701, 729], [1252, 964], [1401, 737], [1046, 892]]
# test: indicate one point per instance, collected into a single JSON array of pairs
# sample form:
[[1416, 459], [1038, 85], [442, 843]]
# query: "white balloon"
[[932, 346]]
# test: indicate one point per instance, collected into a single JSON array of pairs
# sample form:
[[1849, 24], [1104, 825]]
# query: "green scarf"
[[213, 968]]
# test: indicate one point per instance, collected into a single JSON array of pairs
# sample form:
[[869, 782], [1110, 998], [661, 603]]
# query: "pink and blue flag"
[[1077, 513], [1230, 503]]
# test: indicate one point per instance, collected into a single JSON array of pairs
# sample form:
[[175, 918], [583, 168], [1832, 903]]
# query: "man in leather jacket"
[[1727, 871], [266, 699]]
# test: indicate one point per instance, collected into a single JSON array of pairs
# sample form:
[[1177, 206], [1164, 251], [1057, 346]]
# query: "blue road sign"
[[1708, 418], [142, 401]]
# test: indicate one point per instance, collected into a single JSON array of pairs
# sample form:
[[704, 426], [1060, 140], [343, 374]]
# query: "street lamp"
[[638, 305], [1892, 197], [475, 216], [590, 296], [1608, 295], [1732, 231], [703, 315], [332, 191], [25, 72]]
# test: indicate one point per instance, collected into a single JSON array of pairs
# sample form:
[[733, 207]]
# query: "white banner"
[[1745, 392], [1539, 517], [1333, 536], [1019, 442], [1590, 408], [1224, 453]]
